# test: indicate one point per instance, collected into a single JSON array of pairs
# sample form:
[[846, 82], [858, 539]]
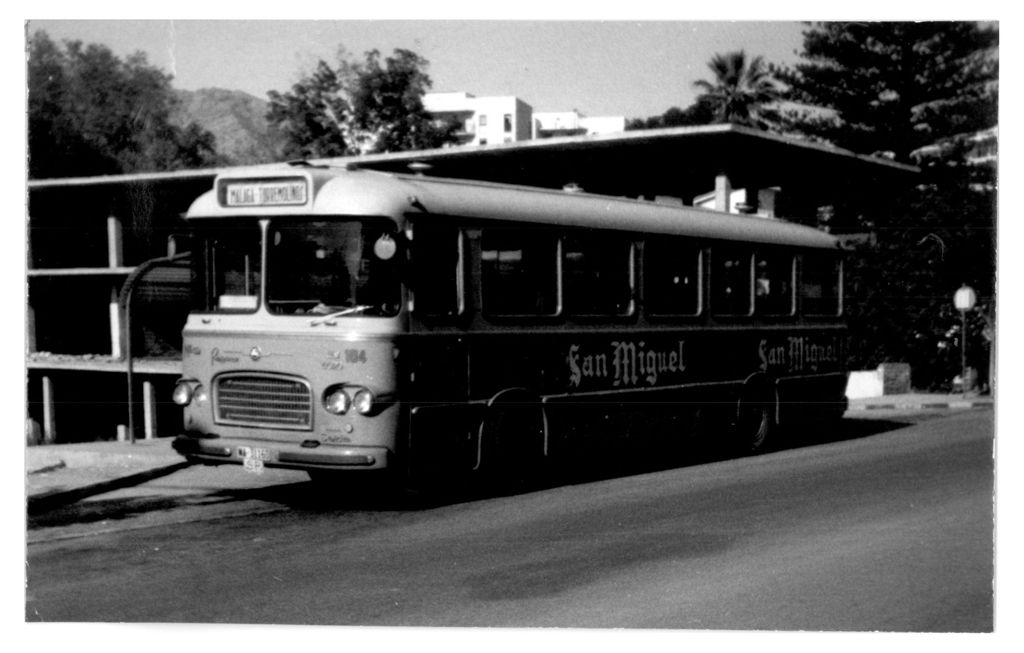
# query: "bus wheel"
[[757, 427], [753, 425]]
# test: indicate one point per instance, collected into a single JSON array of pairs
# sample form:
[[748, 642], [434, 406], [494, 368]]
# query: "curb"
[[50, 500], [924, 405]]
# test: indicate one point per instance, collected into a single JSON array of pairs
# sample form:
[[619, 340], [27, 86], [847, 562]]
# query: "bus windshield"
[[337, 267]]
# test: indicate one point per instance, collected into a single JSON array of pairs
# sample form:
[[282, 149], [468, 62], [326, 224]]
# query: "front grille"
[[266, 400]]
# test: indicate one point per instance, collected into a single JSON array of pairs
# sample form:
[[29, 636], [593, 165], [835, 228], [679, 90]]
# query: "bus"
[[348, 321]]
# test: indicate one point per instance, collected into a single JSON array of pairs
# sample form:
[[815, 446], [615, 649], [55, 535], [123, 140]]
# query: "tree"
[[310, 115], [935, 237], [742, 92], [359, 108], [699, 113], [917, 92], [888, 87], [89, 113]]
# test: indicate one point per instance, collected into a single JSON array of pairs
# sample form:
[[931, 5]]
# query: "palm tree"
[[741, 92]]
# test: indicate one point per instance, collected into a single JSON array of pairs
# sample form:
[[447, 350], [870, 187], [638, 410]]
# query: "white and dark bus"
[[347, 321]]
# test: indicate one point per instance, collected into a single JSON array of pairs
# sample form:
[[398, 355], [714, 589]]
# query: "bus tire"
[[754, 425]]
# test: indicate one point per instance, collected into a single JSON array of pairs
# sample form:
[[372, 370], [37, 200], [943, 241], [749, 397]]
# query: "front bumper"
[[230, 451]]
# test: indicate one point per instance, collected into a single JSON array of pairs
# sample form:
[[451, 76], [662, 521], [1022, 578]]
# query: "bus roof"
[[337, 191]]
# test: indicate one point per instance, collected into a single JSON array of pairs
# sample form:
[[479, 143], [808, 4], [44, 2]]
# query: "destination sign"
[[266, 193]]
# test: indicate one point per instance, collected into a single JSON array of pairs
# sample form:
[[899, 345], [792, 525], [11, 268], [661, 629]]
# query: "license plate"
[[253, 458]]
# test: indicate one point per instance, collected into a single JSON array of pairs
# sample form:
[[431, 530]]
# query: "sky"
[[620, 67]]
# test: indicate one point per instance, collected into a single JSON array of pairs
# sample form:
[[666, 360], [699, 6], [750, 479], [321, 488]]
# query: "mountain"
[[238, 121]]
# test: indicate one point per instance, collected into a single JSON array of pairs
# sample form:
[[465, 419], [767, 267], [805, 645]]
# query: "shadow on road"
[[101, 510], [845, 429], [377, 494], [47, 503]]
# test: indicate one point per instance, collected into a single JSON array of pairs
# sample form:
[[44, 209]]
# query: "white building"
[[759, 201], [483, 120], [507, 119], [550, 124]]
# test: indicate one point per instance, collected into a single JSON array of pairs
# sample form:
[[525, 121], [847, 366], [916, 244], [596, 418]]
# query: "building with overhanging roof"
[[87, 235]]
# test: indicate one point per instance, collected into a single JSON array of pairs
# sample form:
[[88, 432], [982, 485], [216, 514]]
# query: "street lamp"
[[964, 300]]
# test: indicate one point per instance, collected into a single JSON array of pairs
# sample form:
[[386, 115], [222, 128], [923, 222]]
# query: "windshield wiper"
[[328, 319]]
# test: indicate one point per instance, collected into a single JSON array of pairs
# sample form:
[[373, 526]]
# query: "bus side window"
[[773, 283], [820, 285], [437, 270], [672, 277], [519, 272], [598, 274], [731, 280], [232, 267]]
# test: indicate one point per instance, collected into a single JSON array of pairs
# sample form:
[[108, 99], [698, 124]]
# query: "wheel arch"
[[501, 401]]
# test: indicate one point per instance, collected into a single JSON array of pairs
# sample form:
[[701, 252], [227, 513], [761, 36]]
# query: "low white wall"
[[862, 385], [888, 379]]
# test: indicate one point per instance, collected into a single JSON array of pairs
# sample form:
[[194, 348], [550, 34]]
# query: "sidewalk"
[[60, 474], [921, 401]]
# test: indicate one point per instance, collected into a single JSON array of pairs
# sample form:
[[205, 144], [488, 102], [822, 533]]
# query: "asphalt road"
[[886, 531]]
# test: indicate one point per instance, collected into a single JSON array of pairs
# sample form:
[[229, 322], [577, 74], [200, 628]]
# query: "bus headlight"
[[200, 395], [336, 401], [182, 393], [363, 401]]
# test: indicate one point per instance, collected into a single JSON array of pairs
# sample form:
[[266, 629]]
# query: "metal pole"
[[964, 300], [49, 419], [148, 410], [963, 353]]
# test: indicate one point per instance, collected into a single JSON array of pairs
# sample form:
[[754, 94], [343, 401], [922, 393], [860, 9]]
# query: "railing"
[[124, 301]]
